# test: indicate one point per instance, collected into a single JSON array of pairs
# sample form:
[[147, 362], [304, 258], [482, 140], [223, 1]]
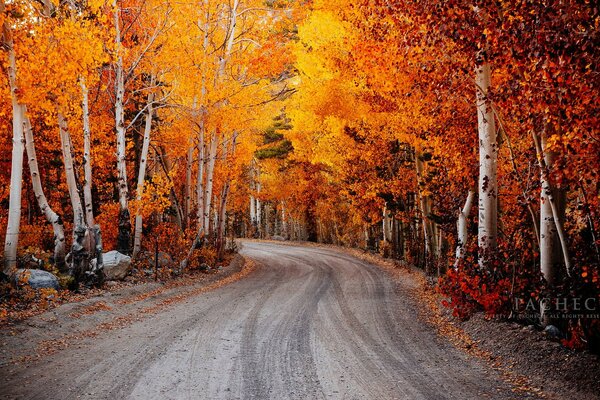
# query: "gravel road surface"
[[308, 323]]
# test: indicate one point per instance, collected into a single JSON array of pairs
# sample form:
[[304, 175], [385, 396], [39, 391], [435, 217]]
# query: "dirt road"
[[308, 323]]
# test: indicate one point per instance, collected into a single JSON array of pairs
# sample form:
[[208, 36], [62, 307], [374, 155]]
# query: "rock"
[[38, 279], [204, 267], [220, 268], [277, 237], [116, 265], [529, 328], [553, 332]]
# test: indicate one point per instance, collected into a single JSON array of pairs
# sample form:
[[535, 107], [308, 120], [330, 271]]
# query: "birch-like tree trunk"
[[201, 228], [252, 210], [200, 181], [16, 172], [553, 243], [79, 256], [124, 237], [87, 157], [425, 208], [189, 162], [488, 164], [137, 237], [258, 208], [210, 171], [387, 232], [65, 140], [222, 217], [284, 221], [52, 217], [462, 228]]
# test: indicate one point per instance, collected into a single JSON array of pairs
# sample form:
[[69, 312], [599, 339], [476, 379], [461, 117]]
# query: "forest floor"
[[525, 357]]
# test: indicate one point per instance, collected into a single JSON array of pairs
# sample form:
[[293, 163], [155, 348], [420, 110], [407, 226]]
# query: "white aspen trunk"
[[87, 157], [284, 223], [200, 181], [53, 218], [79, 258], [462, 227], [258, 211], [65, 140], [488, 165], [222, 221], [220, 211], [230, 37], [212, 156], [137, 237], [425, 208], [189, 162], [224, 196], [93, 235], [551, 221], [124, 238], [387, 234], [252, 210], [202, 135], [189, 166], [16, 172]]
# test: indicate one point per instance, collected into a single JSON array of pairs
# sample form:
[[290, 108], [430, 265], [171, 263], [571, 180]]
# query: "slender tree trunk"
[[212, 156], [201, 228], [189, 162], [79, 256], [200, 181], [284, 221], [16, 171], [224, 195], [548, 196], [387, 236], [425, 206], [87, 157], [230, 37], [462, 228], [124, 237], [258, 208], [488, 164], [94, 234], [253, 211], [141, 179], [53, 218], [65, 140]]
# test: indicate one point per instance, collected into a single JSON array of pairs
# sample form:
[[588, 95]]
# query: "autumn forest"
[[459, 137]]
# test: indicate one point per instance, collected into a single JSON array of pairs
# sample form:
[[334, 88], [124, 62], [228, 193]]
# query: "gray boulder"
[[553, 332], [116, 265], [38, 279]]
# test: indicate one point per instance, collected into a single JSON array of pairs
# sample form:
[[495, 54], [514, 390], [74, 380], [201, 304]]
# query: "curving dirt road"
[[309, 323]]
